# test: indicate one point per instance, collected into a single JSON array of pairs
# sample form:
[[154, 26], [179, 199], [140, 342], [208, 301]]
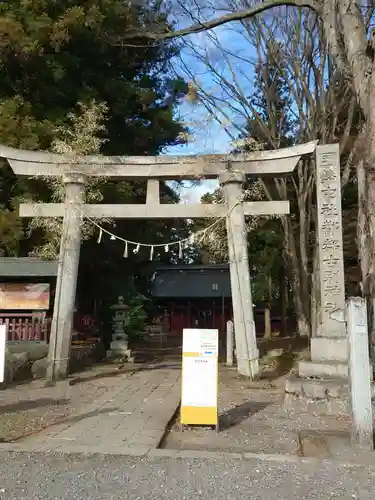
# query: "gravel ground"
[[253, 418], [28, 408], [115, 477]]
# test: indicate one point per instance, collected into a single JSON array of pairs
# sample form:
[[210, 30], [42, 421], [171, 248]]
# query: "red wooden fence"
[[36, 326], [26, 326]]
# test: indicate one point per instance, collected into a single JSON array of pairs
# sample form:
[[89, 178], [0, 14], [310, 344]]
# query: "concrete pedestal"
[[324, 377]]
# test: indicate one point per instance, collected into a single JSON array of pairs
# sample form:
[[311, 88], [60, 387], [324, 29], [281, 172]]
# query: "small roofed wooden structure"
[[25, 296]]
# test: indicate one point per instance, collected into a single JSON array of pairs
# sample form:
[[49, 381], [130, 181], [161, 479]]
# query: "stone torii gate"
[[231, 171]]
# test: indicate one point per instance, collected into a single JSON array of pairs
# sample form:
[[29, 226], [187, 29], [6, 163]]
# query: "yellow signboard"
[[199, 398]]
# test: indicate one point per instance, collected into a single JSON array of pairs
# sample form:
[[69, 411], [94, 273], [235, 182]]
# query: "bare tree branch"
[[225, 19]]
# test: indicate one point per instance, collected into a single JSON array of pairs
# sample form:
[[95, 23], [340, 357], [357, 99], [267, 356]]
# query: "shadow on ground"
[[31, 404], [125, 369], [240, 413], [66, 419]]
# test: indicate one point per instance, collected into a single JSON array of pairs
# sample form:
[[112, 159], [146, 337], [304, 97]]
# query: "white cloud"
[[194, 194]]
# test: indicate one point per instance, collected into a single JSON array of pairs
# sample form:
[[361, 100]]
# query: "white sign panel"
[[2, 351], [204, 342], [199, 383]]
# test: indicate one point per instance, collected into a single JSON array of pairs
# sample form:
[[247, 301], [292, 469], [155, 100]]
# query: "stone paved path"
[[28, 408], [133, 414]]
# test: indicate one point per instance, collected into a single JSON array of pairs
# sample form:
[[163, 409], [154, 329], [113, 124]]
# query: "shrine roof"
[[27, 267], [192, 281]]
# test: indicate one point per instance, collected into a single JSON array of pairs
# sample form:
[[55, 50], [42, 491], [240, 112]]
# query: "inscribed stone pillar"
[[62, 321], [244, 325], [331, 259]]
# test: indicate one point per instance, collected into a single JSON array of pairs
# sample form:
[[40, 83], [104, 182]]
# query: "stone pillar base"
[[322, 407], [329, 349], [322, 380], [329, 395]]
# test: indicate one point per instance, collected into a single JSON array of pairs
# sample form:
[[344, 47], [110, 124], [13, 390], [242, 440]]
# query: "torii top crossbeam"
[[260, 163]]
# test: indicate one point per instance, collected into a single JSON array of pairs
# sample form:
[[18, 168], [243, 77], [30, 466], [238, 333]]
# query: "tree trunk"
[[283, 285], [363, 246], [368, 203], [300, 299], [267, 321], [267, 310], [361, 223], [366, 237]]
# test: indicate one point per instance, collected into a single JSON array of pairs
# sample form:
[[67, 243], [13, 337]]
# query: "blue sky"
[[209, 136]]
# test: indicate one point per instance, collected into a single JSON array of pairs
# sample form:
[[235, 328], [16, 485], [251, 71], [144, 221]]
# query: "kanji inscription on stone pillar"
[[331, 259]]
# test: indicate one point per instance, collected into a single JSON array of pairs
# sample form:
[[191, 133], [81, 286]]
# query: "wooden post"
[[62, 321], [230, 343], [359, 373], [244, 326]]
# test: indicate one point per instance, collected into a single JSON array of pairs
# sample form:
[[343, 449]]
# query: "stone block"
[[313, 389], [133, 451], [313, 444], [144, 441], [319, 407], [337, 389], [329, 349], [293, 385], [320, 369], [20, 358], [35, 350], [337, 406], [163, 453], [39, 367], [17, 367], [324, 388], [150, 434]]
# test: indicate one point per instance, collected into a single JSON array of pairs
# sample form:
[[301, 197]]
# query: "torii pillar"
[[62, 321], [242, 301]]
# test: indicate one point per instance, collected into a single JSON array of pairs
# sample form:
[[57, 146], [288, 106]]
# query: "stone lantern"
[[119, 349]]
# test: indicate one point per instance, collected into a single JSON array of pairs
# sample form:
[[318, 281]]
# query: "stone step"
[[319, 396], [322, 369], [316, 388], [329, 349]]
